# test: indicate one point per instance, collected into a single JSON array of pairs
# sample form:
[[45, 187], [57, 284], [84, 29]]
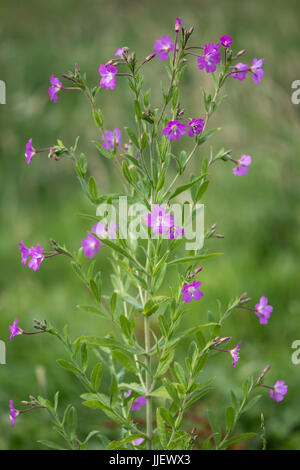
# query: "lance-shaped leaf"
[[193, 259]]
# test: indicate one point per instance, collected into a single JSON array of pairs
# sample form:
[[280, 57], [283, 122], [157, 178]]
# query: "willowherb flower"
[[36, 255], [278, 391], [104, 231], [175, 232], [162, 47], [119, 52], [13, 413], [138, 403], [138, 441], [177, 24], [108, 74], [257, 70], [195, 127], [159, 220], [174, 130], [210, 59], [30, 151], [225, 40], [240, 71], [242, 165], [110, 137], [90, 245], [191, 292], [263, 310], [15, 329], [235, 354], [55, 87]]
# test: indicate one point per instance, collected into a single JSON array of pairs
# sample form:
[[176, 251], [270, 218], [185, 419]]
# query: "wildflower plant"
[[153, 278]]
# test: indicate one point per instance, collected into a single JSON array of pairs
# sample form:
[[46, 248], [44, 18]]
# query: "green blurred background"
[[258, 214]]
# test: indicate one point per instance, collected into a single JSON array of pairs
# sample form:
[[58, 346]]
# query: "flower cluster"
[[35, 254]]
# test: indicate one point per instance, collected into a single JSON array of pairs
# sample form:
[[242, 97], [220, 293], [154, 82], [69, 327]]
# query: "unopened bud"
[[177, 24], [242, 52], [190, 31], [150, 57]]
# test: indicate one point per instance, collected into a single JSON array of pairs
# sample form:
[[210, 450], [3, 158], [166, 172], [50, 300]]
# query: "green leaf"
[[68, 366], [72, 422], [51, 444], [91, 309], [202, 189], [183, 188], [230, 418], [126, 360], [93, 190], [132, 137], [239, 437], [114, 445], [192, 259], [214, 426], [162, 431], [96, 376], [105, 153]]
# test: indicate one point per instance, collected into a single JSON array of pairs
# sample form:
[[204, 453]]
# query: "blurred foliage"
[[258, 214]]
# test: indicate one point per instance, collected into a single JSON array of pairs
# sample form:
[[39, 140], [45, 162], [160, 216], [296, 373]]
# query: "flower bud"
[[242, 52], [177, 24]]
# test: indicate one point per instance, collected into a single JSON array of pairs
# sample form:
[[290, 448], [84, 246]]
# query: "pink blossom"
[[36, 255], [235, 354], [175, 232], [90, 245], [110, 137], [240, 71], [225, 40], [278, 391], [105, 232], [196, 126], [55, 87], [263, 310], [174, 130], [162, 47], [257, 70], [191, 292], [15, 329], [242, 165], [30, 151], [210, 59], [13, 413], [119, 52], [138, 403], [159, 220], [138, 441], [108, 73]]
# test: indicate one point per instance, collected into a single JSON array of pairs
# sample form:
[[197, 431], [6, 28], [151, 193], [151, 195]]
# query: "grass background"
[[258, 214]]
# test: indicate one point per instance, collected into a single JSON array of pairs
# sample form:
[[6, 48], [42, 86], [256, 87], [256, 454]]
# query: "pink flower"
[[191, 292], [103, 232], [119, 52], [110, 136], [90, 245], [210, 59], [162, 47], [30, 151], [242, 165], [55, 87], [263, 310], [174, 130], [138, 441], [36, 255], [159, 220], [138, 403], [13, 413], [195, 127], [175, 232], [15, 329], [225, 40], [108, 73], [278, 391], [257, 70], [177, 24], [235, 354], [240, 71]]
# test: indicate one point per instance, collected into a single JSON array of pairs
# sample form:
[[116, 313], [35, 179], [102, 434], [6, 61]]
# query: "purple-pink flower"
[[257, 70], [30, 151], [108, 74], [225, 40], [162, 47], [119, 52], [138, 403], [263, 310], [242, 165], [138, 441], [104, 231], [210, 59], [90, 245], [191, 292], [235, 354], [36, 255], [177, 24], [174, 130], [55, 87], [159, 220], [240, 71], [110, 137], [15, 329], [175, 232], [195, 127], [278, 391], [13, 413]]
